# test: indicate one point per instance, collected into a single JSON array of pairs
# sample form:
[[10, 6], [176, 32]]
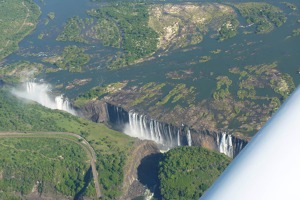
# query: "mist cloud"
[[41, 93]]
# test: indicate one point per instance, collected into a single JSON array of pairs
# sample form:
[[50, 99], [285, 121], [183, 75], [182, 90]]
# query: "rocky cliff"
[[165, 134], [133, 186], [96, 111]]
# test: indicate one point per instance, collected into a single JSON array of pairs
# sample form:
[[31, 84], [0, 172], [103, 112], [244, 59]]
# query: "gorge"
[[169, 136], [134, 124]]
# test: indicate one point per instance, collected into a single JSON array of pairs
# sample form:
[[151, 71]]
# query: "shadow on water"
[[87, 179], [148, 173]]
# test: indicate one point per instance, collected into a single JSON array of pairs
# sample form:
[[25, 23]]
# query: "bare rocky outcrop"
[[96, 111], [206, 139], [217, 141]]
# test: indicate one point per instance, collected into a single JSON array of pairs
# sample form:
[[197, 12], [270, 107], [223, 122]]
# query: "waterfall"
[[62, 103], [225, 145], [189, 138], [143, 127], [178, 139], [117, 115], [146, 128], [41, 93]]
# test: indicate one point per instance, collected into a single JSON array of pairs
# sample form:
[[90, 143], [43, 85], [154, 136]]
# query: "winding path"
[[86, 146]]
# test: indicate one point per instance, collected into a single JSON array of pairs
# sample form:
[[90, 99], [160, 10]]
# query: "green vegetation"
[[175, 93], [97, 93], [46, 22], [186, 172], [138, 40], [33, 165], [184, 24], [228, 29], [148, 93], [217, 51], [110, 146], [139, 29], [179, 92], [263, 15], [241, 102], [72, 31], [204, 59], [283, 86], [51, 15], [296, 32], [290, 5], [180, 74], [107, 30], [223, 84], [41, 36], [20, 71], [249, 104], [72, 59], [261, 77], [18, 19]]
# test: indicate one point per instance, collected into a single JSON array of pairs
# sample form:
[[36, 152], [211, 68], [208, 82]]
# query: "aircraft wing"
[[268, 168]]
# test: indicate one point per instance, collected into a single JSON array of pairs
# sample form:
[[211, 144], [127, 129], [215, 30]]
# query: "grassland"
[[110, 146], [17, 19], [186, 172]]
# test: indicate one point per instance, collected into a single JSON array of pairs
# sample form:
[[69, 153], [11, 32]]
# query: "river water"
[[242, 50]]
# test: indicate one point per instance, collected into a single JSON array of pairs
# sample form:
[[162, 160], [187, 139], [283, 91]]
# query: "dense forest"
[[186, 172], [138, 40], [42, 166]]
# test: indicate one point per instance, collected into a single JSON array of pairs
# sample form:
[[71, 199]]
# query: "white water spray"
[[146, 128], [225, 144], [189, 138], [142, 127], [178, 139], [40, 93]]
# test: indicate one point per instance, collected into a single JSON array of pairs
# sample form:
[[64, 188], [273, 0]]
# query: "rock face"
[[165, 134], [132, 187], [95, 111], [221, 142]]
